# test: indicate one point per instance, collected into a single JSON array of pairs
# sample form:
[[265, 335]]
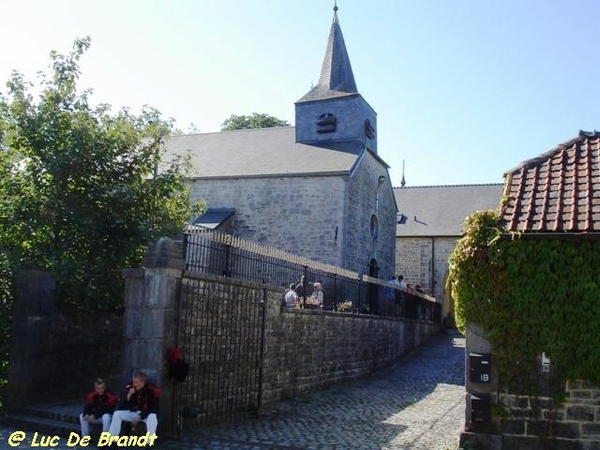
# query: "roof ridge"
[[231, 131], [581, 135], [448, 185]]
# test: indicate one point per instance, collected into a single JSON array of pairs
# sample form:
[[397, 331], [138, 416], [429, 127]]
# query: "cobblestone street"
[[418, 404]]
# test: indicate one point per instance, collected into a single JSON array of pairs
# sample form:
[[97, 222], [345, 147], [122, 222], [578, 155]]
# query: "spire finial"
[[403, 182], [335, 6]]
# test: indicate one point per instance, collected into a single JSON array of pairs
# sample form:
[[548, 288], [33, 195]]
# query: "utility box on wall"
[[480, 367], [478, 408]]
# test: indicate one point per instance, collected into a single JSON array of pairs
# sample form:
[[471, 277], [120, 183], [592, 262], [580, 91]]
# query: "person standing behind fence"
[[99, 407], [291, 298], [402, 283], [316, 298], [400, 306], [301, 290]]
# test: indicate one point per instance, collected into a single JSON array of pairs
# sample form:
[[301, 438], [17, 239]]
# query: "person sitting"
[[139, 405], [99, 407], [291, 298]]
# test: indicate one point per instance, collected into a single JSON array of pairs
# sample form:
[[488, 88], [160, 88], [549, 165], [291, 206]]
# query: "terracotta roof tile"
[[558, 191]]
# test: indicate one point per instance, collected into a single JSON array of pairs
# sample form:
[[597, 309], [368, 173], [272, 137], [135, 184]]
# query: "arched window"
[[374, 227]]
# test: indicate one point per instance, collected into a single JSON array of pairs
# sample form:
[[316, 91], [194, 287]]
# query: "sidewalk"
[[417, 404]]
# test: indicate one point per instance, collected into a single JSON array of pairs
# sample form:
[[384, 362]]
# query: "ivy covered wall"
[[531, 296]]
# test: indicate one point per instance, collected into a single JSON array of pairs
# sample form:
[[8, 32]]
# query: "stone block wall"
[[311, 349], [424, 261], [368, 198], [560, 417], [542, 422], [297, 214]]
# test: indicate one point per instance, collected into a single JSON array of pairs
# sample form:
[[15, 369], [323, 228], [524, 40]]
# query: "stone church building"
[[317, 189], [430, 223]]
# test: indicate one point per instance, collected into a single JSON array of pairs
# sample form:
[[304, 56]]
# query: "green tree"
[[82, 192], [255, 120]]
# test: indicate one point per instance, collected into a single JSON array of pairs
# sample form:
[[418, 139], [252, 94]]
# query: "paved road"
[[417, 404]]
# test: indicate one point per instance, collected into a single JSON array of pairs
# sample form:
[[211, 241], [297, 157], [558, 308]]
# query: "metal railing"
[[225, 255]]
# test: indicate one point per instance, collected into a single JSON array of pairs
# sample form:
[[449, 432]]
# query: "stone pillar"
[[481, 384], [151, 297], [31, 326]]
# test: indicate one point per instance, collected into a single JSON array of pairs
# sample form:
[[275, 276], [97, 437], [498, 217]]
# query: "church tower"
[[333, 114]]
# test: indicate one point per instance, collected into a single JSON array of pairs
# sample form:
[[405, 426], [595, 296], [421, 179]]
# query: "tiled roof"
[[557, 192], [430, 211]]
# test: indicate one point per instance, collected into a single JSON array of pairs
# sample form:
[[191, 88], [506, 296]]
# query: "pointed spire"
[[403, 182], [337, 78]]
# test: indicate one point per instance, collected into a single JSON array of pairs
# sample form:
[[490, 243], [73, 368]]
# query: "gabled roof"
[[557, 192], [430, 211], [257, 152], [337, 78]]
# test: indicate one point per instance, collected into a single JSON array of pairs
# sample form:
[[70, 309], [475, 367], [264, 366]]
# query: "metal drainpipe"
[[433, 266]]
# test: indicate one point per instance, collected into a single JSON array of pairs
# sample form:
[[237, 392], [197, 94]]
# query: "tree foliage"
[[80, 190], [255, 120], [531, 296]]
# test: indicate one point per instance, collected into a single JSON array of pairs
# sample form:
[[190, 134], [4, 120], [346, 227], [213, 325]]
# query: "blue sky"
[[464, 89]]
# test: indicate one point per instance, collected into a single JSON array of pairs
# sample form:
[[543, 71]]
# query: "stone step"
[[62, 411], [59, 418], [42, 425]]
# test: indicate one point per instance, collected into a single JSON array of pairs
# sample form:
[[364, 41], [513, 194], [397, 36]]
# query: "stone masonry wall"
[[303, 349], [300, 215], [350, 111], [366, 198], [311, 349], [541, 422], [560, 417], [414, 257]]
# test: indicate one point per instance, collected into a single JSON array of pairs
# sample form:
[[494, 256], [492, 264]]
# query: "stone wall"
[[303, 349], [300, 215], [424, 261], [368, 198], [560, 417], [350, 112], [56, 355], [326, 218], [541, 422], [311, 349]]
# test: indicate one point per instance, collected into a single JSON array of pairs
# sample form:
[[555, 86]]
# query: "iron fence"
[[225, 255]]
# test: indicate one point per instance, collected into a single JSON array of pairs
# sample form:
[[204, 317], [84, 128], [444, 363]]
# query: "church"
[[318, 189]]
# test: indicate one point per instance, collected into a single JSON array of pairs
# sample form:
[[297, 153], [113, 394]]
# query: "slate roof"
[[258, 152], [213, 217], [557, 192], [435, 211], [337, 78]]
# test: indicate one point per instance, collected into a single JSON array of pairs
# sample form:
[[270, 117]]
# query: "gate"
[[220, 330]]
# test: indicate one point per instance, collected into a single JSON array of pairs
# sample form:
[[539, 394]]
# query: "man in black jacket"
[[99, 406], [139, 405]]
